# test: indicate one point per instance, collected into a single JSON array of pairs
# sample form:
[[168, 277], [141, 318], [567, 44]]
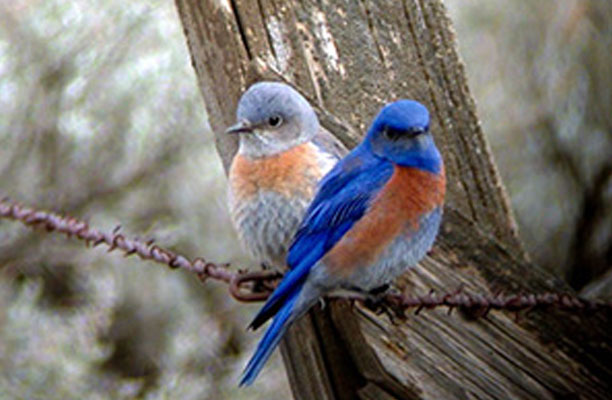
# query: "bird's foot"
[[374, 293], [378, 301], [380, 290]]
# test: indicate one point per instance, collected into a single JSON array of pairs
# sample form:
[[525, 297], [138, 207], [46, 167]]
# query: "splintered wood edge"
[[301, 347], [363, 355]]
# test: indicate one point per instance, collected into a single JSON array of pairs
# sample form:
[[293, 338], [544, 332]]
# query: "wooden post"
[[349, 58]]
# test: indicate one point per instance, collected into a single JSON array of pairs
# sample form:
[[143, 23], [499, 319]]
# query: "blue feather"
[[292, 282], [343, 197], [271, 338], [404, 117]]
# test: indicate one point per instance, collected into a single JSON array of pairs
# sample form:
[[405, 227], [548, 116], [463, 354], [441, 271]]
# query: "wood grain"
[[348, 59]]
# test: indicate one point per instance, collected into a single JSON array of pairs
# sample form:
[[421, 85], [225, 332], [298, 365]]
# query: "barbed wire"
[[477, 305], [250, 286], [146, 250]]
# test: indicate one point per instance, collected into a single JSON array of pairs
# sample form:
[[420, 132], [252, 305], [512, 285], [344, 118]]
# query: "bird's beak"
[[240, 127]]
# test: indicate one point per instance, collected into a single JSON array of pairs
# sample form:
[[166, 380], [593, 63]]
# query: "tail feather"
[[270, 340], [291, 283]]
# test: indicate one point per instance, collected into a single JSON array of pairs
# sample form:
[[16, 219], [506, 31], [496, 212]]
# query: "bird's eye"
[[275, 121], [393, 134]]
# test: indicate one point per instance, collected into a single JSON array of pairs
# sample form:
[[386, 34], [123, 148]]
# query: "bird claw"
[[382, 306], [379, 301], [380, 290], [322, 303]]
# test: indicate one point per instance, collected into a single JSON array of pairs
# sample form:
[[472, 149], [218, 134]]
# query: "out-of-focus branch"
[[257, 285], [586, 264], [76, 202]]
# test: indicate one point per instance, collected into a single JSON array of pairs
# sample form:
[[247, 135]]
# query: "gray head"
[[273, 117]]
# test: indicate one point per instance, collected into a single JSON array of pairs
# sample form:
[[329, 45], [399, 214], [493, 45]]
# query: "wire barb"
[[257, 285], [146, 250]]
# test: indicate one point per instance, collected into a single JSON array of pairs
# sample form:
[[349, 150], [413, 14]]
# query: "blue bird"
[[375, 214]]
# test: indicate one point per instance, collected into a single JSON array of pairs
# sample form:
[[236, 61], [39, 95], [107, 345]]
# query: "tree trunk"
[[348, 59]]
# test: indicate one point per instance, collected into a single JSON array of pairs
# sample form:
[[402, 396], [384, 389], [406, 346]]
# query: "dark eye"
[[275, 121], [393, 134]]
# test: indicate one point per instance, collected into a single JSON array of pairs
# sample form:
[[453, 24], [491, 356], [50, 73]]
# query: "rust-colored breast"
[[409, 194], [291, 173]]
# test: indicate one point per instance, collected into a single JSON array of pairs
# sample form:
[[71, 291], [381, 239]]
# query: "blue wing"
[[343, 197]]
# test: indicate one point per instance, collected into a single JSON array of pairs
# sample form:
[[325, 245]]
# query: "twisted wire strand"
[[146, 250], [257, 285]]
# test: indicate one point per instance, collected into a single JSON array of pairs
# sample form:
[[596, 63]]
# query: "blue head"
[[400, 134]]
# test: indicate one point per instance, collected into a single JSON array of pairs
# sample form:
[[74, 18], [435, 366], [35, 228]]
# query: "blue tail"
[[270, 340]]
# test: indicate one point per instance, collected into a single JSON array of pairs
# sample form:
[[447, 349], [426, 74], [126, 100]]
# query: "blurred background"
[[100, 117]]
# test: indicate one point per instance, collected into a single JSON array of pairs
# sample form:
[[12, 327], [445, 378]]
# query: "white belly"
[[266, 225], [404, 253]]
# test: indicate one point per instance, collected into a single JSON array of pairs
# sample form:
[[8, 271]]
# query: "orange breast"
[[409, 194], [291, 173]]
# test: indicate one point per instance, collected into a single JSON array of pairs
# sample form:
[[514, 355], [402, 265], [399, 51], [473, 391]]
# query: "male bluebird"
[[375, 214], [281, 156]]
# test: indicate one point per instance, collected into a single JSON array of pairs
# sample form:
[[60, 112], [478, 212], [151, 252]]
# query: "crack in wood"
[[241, 28]]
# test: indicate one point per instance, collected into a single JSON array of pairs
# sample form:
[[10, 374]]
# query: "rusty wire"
[[257, 285], [115, 240], [476, 305]]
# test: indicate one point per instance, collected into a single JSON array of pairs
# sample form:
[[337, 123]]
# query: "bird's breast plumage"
[[289, 173], [406, 206], [269, 195]]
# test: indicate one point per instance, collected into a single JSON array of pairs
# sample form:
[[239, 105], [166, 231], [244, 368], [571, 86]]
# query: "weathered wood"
[[543, 355], [348, 59]]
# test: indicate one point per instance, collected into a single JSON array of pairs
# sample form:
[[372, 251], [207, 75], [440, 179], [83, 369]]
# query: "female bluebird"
[[375, 215], [281, 156]]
